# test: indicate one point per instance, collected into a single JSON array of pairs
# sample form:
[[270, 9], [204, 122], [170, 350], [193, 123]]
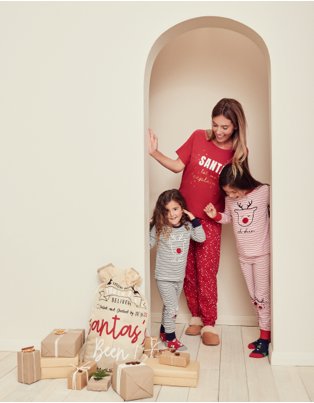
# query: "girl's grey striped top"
[[172, 252]]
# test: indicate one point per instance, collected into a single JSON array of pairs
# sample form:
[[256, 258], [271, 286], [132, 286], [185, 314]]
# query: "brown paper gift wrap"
[[174, 376], [56, 373], [101, 385], [28, 366], [66, 344], [57, 367], [132, 381], [151, 346], [79, 377], [175, 358]]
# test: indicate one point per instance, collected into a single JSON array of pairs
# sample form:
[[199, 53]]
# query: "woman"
[[201, 158]]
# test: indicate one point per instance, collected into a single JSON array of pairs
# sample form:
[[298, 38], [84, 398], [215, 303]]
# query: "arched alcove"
[[190, 68]]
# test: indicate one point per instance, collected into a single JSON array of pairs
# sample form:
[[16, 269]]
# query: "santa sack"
[[119, 318]]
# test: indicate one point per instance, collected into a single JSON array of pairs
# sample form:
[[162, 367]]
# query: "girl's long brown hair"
[[232, 109], [160, 219]]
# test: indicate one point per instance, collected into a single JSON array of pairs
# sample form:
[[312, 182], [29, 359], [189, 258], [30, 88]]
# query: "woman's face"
[[223, 129], [174, 213]]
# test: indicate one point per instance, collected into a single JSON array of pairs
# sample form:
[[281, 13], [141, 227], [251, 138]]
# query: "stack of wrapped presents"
[[58, 358], [59, 352], [132, 380], [172, 368]]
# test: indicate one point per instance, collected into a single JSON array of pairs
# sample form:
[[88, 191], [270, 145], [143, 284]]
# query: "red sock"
[[265, 334]]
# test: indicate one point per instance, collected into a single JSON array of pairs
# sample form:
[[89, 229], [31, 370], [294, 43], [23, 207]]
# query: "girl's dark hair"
[[160, 219], [241, 179]]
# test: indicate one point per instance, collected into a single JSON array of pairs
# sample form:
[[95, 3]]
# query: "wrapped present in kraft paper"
[[174, 358], [99, 385], [100, 380], [154, 354], [79, 377], [57, 367], [132, 380], [151, 346], [174, 376], [28, 365], [63, 343]]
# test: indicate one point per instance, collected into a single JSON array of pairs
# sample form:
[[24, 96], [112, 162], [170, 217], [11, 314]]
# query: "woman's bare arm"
[[169, 163]]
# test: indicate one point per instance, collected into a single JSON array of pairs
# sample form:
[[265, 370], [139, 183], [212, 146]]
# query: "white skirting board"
[[291, 358], [17, 344], [222, 320]]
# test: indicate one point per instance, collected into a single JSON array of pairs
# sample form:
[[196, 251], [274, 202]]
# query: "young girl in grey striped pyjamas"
[[172, 228]]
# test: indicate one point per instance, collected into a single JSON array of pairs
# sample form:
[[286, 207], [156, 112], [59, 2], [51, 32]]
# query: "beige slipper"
[[195, 326], [193, 330], [209, 338]]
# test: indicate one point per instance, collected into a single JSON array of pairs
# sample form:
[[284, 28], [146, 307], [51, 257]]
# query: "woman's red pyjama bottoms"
[[200, 283]]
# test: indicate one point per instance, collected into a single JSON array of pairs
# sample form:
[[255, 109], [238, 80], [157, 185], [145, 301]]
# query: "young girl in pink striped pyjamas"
[[247, 207]]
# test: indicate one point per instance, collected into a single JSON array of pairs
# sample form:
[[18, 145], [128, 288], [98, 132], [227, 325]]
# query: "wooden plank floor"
[[227, 374]]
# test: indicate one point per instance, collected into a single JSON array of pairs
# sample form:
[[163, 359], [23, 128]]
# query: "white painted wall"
[[72, 124]]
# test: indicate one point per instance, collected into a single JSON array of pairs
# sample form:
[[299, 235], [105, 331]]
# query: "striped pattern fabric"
[[172, 252], [250, 219], [170, 292], [256, 271]]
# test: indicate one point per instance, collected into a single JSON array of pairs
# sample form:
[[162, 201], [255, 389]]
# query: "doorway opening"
[[190, 68]]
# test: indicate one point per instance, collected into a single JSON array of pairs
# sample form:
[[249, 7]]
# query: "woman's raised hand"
[[152, 142], [169, 163]]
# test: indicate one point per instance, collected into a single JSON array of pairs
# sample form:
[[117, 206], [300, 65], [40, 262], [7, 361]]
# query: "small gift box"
[[57, 367], [28, 365], [132, 380], [151, 346], [174, 376], [78, 378], [174, 358], [63, 343], [100, 381]]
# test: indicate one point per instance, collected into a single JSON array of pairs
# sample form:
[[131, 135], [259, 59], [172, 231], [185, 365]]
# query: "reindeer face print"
[[245, 214]]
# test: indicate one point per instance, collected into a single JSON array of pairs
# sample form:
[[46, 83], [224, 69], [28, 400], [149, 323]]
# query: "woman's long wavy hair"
[[160, 214], [232, 109]]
